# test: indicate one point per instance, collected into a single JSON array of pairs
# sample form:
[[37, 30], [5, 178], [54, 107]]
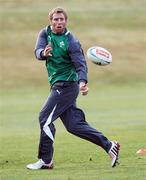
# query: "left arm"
[[78, 60]]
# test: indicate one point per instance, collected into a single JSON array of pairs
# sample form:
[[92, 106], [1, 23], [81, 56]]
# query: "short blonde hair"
[[57, 10]]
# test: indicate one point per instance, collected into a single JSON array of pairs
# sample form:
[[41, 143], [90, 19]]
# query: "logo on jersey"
[[61, 44]]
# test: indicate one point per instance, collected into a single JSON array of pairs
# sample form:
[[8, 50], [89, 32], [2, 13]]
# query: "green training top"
[[59, 65]]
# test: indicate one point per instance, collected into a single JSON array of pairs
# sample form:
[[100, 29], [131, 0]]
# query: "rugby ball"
[[99, 55]]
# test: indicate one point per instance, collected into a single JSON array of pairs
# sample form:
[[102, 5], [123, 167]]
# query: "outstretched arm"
[[42, 50]]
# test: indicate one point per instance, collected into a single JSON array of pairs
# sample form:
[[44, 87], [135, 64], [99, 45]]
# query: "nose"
[[59, 20]]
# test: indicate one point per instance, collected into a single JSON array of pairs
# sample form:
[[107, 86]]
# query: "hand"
[[83, 88], [47, 51]]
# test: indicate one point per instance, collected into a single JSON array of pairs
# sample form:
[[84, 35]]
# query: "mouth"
[[59, 27]]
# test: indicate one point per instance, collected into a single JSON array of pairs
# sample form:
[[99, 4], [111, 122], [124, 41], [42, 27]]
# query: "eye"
[[56, 19]]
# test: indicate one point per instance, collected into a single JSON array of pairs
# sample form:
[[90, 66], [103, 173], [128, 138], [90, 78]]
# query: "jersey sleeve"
[[77, 57], [41, 44]]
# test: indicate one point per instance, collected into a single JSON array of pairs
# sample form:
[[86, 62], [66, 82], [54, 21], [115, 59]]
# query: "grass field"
[[119, 114], [116, 104]]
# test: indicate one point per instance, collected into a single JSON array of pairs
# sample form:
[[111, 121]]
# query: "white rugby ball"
[[99, 55]]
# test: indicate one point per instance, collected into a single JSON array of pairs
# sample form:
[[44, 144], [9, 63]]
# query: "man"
[[67, 74]]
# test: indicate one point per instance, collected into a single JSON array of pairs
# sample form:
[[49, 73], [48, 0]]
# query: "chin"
[[59, 32]]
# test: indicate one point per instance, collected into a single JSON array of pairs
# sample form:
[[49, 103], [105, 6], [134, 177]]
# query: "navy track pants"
[[62, 103]]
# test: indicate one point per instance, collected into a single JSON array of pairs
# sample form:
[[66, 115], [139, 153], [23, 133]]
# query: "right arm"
[[42, 49]]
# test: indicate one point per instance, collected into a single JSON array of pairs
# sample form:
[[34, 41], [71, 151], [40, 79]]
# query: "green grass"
[[115, 105], [116, 110]]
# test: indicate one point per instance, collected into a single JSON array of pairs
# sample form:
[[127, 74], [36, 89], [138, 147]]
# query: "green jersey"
[[67, 62], [59, 65]]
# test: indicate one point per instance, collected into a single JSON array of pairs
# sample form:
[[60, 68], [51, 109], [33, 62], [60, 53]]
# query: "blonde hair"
[[57, 10]]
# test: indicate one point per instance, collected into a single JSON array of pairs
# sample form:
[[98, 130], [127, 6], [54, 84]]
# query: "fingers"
[[47, 51], [83, 88], [85, 92]]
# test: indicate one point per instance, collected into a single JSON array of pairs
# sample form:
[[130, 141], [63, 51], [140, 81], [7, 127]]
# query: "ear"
[[49, 20]]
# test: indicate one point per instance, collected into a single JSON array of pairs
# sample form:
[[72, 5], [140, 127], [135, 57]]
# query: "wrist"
[[82, 81], [42, 54]]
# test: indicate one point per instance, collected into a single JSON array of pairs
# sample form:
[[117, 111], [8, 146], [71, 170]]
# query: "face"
[[58, 23]]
